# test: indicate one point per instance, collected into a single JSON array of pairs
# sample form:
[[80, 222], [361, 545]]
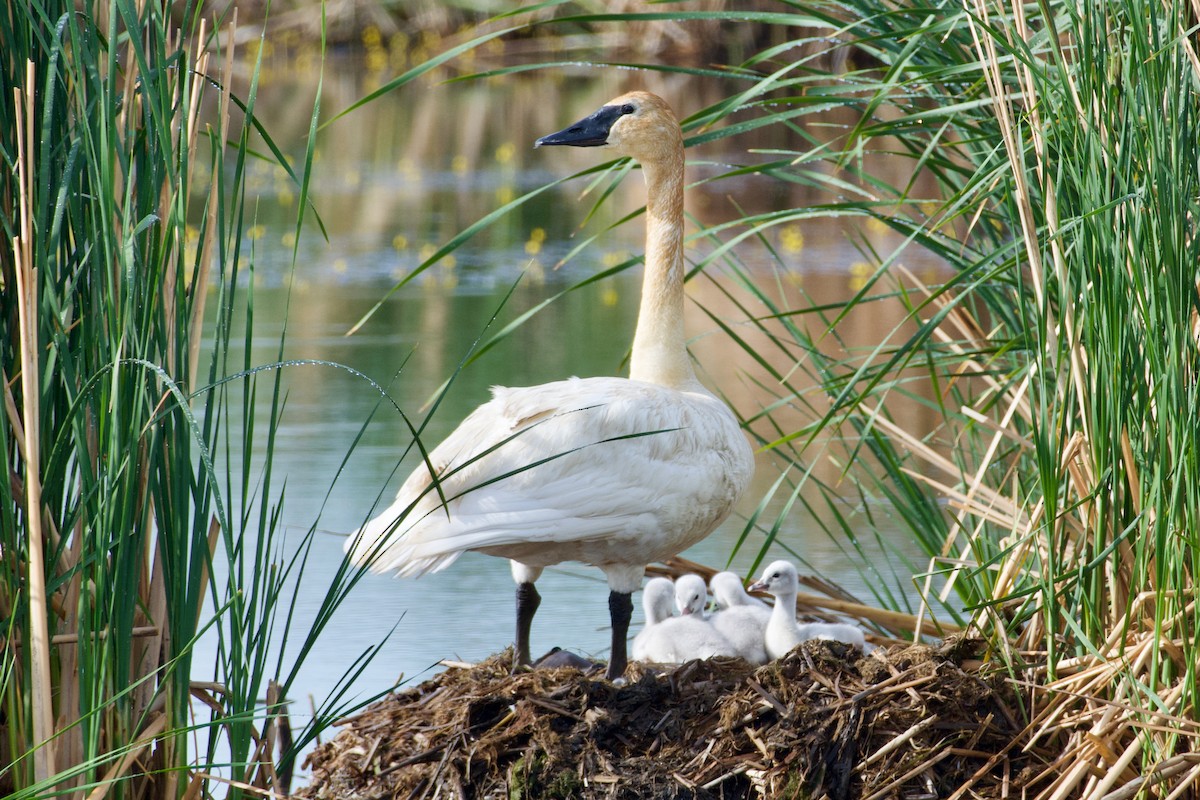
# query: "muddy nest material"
[[908, 722]]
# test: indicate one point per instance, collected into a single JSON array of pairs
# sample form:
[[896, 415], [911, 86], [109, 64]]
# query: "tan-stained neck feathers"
[[653, 138]]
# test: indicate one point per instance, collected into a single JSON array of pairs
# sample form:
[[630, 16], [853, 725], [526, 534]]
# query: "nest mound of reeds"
[[902, 722]]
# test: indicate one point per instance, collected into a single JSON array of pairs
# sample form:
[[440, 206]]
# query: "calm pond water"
[[394, 181]]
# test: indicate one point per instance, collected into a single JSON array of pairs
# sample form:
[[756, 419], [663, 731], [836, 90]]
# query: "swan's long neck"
[[659, 345], [784, 613]]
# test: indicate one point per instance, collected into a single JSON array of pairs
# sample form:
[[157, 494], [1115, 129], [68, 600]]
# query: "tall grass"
[[1055, 170], [129, 525]]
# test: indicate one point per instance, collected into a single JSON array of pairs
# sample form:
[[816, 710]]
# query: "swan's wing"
[[565, 462]]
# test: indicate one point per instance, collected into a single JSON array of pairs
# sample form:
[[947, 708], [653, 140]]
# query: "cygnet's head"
[[691, 594], [657, 599], [727, 589], [778, 578], [637, 124]]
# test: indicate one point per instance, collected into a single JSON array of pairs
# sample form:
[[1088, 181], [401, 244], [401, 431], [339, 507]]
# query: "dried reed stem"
[[39, 634], [204, 258], [149, 733]]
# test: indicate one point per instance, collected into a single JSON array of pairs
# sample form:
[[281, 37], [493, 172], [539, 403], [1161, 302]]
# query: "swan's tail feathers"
[[386, 544]]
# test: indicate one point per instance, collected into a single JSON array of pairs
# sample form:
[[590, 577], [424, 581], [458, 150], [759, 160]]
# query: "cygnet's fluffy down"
[[728, 591], [657, 597], [673, 640], [742, 625], [691, 595], [740, 618], [782, 632]]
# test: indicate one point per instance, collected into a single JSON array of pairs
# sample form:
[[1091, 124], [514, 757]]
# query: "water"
[[395, 181]]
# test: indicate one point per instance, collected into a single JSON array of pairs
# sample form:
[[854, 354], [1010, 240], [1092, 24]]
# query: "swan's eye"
[[628, 108]]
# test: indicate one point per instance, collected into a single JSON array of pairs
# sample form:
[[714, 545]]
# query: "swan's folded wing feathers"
[[570, 461]]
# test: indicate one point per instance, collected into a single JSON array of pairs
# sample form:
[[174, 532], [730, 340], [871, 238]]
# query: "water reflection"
[[401, 177]]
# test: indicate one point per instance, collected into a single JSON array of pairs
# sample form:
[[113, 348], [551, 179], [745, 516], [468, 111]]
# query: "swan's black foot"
[[620, 610], [528, 601]]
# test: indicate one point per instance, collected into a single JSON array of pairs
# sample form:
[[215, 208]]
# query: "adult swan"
[[611, 472]]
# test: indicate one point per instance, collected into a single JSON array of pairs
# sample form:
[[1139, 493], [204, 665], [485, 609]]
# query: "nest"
[[912, 723]]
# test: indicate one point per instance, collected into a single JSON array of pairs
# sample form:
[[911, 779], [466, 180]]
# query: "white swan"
[[608, 471], [741, 619], [782, 632], [673, 640]]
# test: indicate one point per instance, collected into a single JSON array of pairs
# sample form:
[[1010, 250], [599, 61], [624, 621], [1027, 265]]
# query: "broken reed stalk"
[[27, 310], [147, 736]]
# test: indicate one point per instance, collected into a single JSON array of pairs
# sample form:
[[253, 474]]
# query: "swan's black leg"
[[528, 601], [620, 610]]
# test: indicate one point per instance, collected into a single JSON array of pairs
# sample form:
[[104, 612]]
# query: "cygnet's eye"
[[628, 108]]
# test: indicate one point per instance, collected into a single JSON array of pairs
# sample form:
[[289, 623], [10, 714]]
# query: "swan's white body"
[[632, 477], [783, 632], [674, 640], [740, 618], [611, 472]]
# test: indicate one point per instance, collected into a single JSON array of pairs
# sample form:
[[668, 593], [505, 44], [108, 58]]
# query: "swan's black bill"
[[589, 132]]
